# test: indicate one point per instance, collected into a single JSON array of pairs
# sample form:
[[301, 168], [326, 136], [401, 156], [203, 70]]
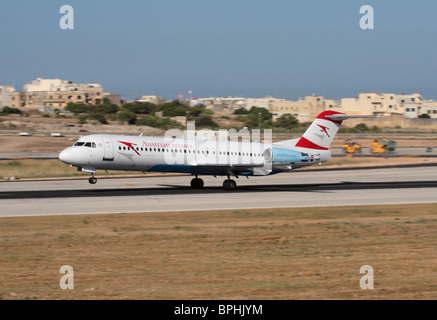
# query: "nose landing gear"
[[92, 179]]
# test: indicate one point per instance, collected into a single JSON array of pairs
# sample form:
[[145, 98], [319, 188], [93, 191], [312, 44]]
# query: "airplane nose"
[[66, 156]]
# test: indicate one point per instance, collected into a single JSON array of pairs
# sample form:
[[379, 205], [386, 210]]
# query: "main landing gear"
[[92, 179], [228, 184], [197, 183]]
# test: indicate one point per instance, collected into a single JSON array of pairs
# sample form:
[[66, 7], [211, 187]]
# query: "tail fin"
[[322, 131]]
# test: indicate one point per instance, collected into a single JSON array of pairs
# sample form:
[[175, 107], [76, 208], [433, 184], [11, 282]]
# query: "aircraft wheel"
[[197, 183], [229, 185], [92, 180]]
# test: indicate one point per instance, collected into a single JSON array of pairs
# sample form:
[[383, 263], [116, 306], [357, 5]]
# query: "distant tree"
[[126, 116], [173, 109], [241, 111], [361, 127], [100, 117], [255, 118], [77, 108], [199, 110], [82, 118], [8, 110], [205, 121], [108, 108], [424, 116], [140, 107], [265, 114], [287, 121]]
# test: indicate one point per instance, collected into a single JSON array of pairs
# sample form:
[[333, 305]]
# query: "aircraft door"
[[108, 147]]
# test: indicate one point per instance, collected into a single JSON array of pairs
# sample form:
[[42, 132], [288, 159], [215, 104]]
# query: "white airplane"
[[211, 157]]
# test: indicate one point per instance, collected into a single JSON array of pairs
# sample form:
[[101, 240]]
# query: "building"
[[305, 110], [382, 104], [57, 93], [429, 108], [220, 104], [113, 98], [259, 102], [152, 99], [6, 92]]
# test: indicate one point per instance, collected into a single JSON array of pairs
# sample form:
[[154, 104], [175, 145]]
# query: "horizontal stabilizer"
[[341, 117]]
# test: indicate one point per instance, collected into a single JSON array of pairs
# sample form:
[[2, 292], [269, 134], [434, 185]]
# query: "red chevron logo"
[[130, 145], [324, 129]]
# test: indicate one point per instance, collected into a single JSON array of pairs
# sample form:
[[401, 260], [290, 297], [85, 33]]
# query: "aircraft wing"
[[256, 168], [229, 166]]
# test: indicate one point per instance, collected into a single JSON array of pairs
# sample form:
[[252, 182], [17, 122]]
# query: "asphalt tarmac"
[[172, 192], [336, 152]]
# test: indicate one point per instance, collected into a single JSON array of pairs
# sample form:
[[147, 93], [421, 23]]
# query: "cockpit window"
[[85, 144]]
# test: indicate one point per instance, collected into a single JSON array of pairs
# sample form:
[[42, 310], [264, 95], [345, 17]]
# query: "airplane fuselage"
[[211, 157]]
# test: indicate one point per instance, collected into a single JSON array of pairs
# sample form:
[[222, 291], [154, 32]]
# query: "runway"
[[172, 193], [336, 152]]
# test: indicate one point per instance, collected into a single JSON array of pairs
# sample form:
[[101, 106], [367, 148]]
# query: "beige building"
[[57, 93], [305, 110], [382, 104], [6, 93], [220, 104], [429, 108], [152, 99], [259, 102], [113, 98]]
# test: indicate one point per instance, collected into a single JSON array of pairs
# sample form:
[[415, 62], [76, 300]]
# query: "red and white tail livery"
[[321, 132]]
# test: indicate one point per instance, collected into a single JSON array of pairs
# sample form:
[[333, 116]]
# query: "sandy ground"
[[311, 253]]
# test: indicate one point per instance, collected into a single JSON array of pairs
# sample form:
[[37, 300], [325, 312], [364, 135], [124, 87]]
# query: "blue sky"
[[284, 48]]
